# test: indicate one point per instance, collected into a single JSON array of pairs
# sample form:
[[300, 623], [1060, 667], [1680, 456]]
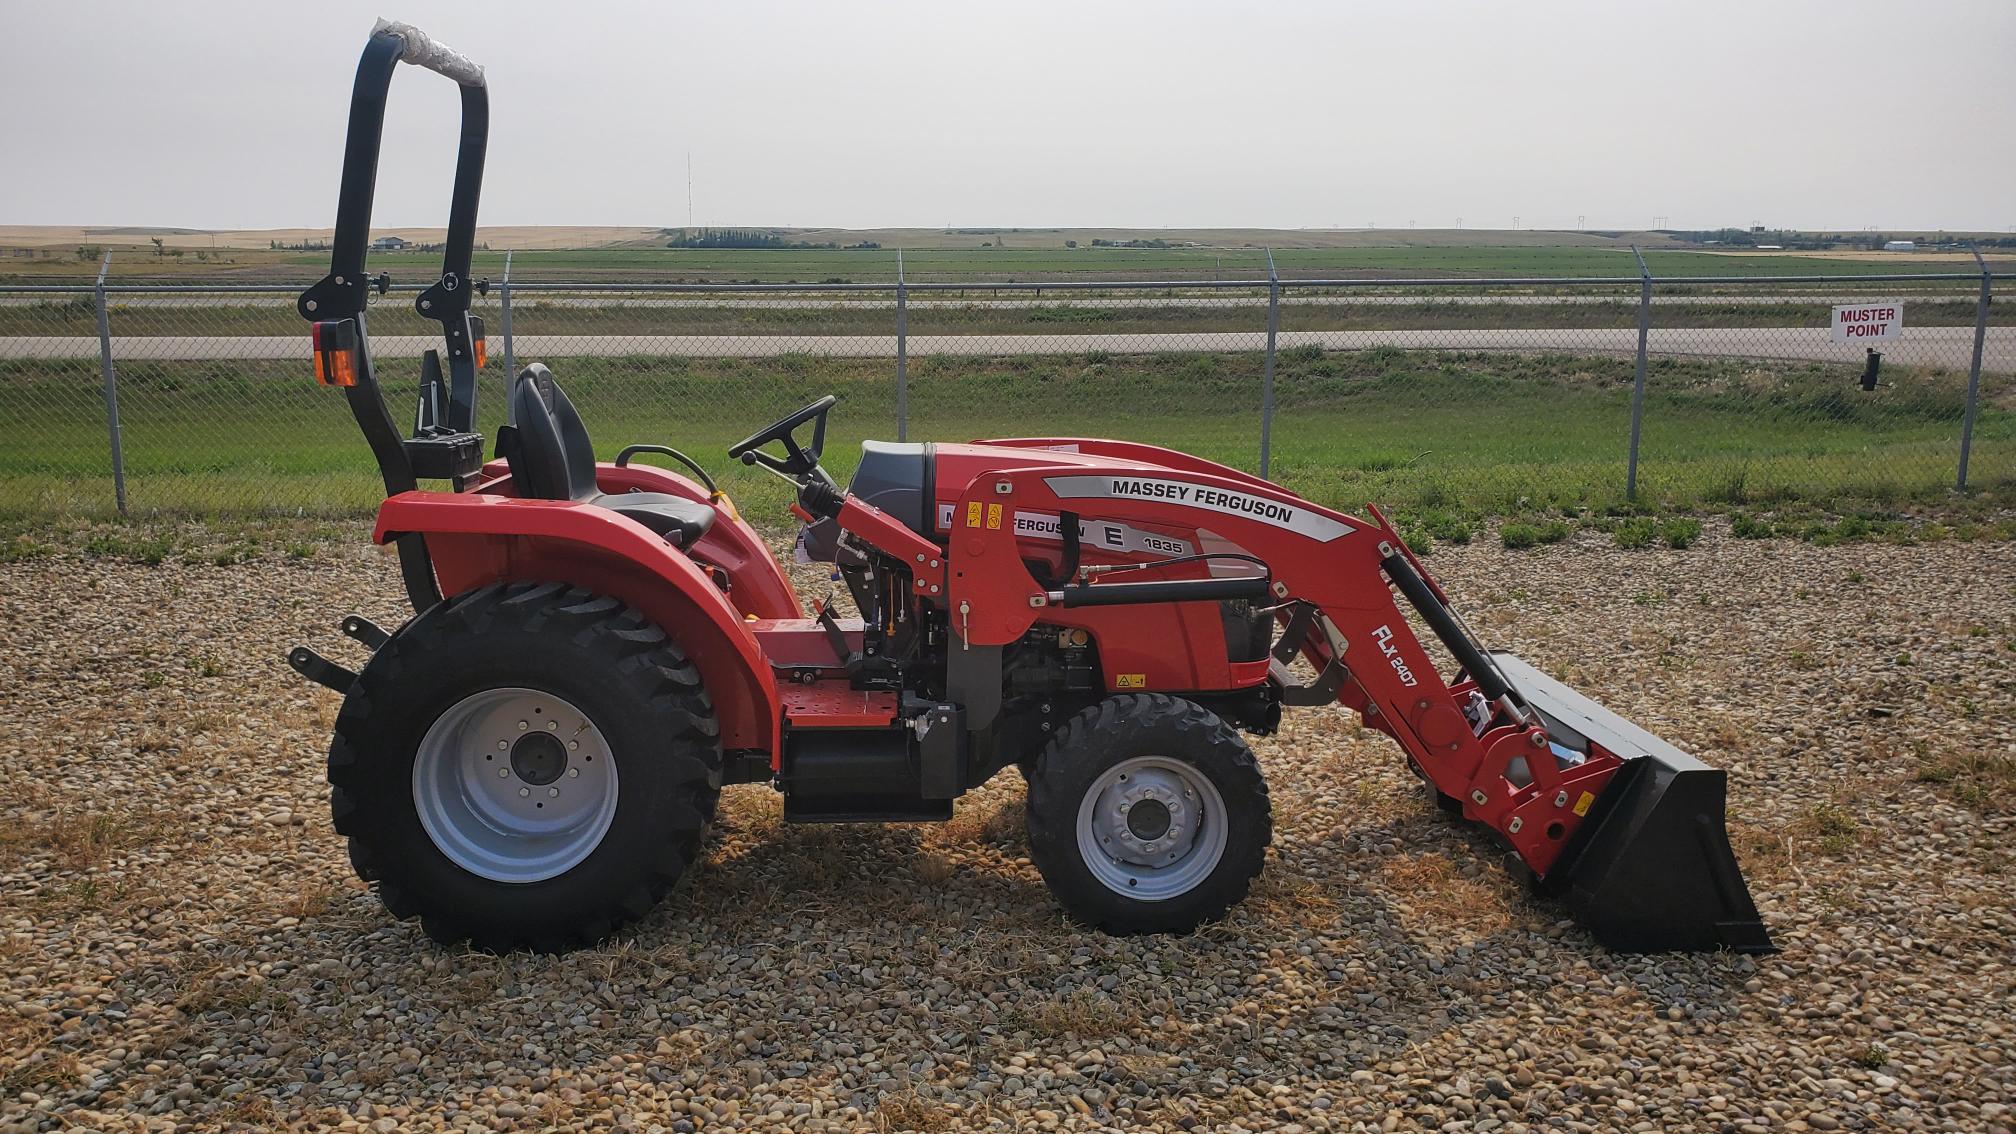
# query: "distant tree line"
[[1825, 241], [746, 238]]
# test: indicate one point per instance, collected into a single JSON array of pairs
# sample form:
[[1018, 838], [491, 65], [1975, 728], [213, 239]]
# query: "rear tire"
[[437, 712], [1148, 814]]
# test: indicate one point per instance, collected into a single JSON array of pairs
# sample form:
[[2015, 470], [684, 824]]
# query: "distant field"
[[1026, 257], [1016, 264], [1428, 431]]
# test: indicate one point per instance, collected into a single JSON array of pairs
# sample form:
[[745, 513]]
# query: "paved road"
[[1945, 346]]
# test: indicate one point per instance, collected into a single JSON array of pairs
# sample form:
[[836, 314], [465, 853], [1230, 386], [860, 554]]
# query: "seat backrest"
[[552, 459]]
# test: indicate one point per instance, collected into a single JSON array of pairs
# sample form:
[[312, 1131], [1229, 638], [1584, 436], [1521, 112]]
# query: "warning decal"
[[1288, 517], [1108, 534]]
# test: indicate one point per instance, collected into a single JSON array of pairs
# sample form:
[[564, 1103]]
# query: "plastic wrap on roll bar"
[[422, 50]]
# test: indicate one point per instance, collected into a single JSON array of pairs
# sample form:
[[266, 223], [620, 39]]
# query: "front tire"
[[528, 765], [1148, 814]]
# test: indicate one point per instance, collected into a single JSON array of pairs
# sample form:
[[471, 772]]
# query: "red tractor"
[[598, 648]]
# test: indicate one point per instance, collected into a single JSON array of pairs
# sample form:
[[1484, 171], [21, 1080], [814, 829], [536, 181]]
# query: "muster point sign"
[[1867, 322]]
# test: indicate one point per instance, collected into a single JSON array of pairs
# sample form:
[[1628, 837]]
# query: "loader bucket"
[[1650, 868]]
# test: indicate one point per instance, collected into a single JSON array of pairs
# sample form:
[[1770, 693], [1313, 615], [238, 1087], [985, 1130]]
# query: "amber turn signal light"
[[336, 361]]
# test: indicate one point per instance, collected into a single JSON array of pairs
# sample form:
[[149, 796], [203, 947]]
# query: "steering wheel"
[[799, 461]]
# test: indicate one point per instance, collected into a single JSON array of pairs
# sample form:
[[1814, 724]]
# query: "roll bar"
[[444, 442]]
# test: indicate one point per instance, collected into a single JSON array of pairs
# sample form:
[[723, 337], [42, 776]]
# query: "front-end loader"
[[596, 649]]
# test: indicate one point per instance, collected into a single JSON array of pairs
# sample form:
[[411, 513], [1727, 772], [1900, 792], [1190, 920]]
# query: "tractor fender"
[[475, 540], [760, 586]]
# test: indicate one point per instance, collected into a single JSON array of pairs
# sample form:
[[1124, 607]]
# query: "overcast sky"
[[1030, 113]]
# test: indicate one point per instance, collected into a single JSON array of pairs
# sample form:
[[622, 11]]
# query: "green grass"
[[1519, 536], [1445, 437]]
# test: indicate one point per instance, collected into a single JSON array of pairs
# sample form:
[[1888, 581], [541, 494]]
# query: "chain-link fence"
[[1459, 394]]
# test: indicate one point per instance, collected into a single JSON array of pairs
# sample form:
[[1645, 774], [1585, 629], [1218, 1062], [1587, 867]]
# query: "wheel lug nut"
[[503, 773], [522, 726], [572, 745], [573, 773], [553, 792], [502, 745], [524, 791], [552, 726]]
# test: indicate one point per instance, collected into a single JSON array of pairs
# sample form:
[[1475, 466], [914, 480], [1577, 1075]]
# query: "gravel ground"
[[185, 946]]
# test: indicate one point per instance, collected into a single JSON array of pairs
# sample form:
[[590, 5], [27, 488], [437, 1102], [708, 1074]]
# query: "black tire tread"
[[636, 652], [1121, 722]]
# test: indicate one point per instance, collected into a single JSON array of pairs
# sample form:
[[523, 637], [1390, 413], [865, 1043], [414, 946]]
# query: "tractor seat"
[[551, 459]]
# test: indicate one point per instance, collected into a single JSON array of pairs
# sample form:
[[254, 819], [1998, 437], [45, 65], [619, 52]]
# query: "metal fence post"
[[902, 353], [1638, 383], [111, 388], [1974, 371], [1267, 372], [504, 316]]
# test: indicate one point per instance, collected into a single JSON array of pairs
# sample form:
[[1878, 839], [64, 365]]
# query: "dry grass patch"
[[1760, 850], [1829, 826], [1980, 779], [989, 821], [313, 899], [905, 1111], [1436, 890], [223, 988], [77, 840], [933, 868], [1083, 1013], [27, 1060], [1283, 897]]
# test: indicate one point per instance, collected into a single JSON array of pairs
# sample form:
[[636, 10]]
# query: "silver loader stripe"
[[1286, 516]]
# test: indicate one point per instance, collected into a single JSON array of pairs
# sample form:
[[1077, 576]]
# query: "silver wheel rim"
[[515, 785], [1151, 828]]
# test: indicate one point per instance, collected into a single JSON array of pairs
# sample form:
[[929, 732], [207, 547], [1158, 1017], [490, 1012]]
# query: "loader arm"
[[1518, 767]]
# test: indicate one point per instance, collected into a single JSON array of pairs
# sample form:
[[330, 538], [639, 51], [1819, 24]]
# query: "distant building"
[[1899, 245], [1770, 248], [388, 244]]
